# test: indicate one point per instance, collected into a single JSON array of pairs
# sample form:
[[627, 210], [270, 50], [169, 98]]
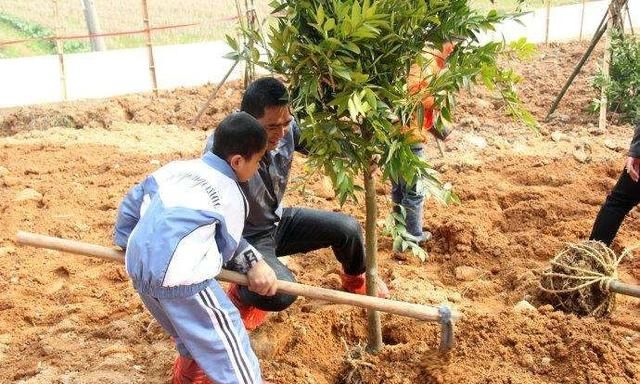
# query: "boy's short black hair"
[[239, 134], [263, 93]]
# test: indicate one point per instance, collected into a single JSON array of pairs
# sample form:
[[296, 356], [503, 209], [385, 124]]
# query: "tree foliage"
[[347, 62], [623, 86]]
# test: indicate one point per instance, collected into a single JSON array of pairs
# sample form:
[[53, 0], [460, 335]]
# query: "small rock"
[[547, 308], [463, 248], [10, 181], [81, 227], [558, 136], [500, 143], [28, 194], [154, 162], [611, 145], [54, 287], [3, 171], [546, 361], [528, 361], [581, 156], [523, 306], [471, 122], [477, 141], [466, 273], [483, 104], [113, 349], [7, 251], [520, 147], [454, 297], [14, 280], [595, 131], [561, 117], [325, 189]]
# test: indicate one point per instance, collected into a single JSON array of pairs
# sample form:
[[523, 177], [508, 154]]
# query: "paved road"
[[33, 80]]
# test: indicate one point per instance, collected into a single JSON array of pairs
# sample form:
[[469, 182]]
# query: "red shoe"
[[251, 316], [358, 284], [187, 371]]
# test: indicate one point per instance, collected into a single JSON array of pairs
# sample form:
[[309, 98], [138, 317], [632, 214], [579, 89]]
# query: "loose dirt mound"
[[177, 107], [71, 319]]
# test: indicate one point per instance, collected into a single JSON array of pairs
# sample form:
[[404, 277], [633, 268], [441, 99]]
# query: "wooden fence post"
[[152, 65], [584, 5], [60, 51], [547, 17]]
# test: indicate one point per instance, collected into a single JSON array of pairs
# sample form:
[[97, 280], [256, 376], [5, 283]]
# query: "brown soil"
[[72, 319]]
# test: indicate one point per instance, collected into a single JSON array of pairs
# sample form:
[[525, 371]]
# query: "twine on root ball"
[[579, 277]]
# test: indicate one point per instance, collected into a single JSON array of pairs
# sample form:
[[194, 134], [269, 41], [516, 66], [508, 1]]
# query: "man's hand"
[[633, 168], [262, 279]]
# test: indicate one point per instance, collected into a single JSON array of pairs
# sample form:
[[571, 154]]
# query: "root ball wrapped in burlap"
[[578, 279]]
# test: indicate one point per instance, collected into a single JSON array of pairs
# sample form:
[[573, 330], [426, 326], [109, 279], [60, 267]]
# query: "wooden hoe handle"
[[625, 289], [416, 311]]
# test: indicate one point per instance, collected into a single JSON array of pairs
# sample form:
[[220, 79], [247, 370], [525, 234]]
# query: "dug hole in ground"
[[70, 319]]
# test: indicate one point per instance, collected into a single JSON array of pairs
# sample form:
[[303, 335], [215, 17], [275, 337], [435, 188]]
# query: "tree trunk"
[[371, 239], [91, 17]]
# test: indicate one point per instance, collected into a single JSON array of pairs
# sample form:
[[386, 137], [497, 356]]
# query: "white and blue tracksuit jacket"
[[181, 225]]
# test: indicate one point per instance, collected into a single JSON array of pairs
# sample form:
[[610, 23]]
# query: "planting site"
[[64, 169]]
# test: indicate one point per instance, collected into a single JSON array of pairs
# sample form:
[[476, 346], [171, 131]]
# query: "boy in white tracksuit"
[[179, 227]]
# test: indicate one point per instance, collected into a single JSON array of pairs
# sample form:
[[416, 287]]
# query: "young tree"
[[347, 62]]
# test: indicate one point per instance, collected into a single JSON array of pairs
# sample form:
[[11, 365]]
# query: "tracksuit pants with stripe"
[[207, 328]]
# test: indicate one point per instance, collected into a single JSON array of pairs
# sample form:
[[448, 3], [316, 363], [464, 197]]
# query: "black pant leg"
[[624, 196], [304, 230]]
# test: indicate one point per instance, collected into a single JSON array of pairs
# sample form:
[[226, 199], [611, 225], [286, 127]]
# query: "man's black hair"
[[239, 134], [263, 93]]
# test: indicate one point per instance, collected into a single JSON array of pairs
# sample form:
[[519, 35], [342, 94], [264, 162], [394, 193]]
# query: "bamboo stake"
[[584, 5], [60, 51], [152, 65], [250, 69], [547, 17], [594, 41], [214, 93]]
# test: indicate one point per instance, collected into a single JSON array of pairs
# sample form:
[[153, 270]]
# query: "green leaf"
[[320, 15], [353, 111], [329, 25]]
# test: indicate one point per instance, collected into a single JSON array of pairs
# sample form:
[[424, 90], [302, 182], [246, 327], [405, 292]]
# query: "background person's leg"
[[624, 196], [413, 203]]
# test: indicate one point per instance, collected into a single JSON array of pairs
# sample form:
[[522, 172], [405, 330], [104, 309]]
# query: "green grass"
[[34, 48], [510, 5], [126, 15]]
